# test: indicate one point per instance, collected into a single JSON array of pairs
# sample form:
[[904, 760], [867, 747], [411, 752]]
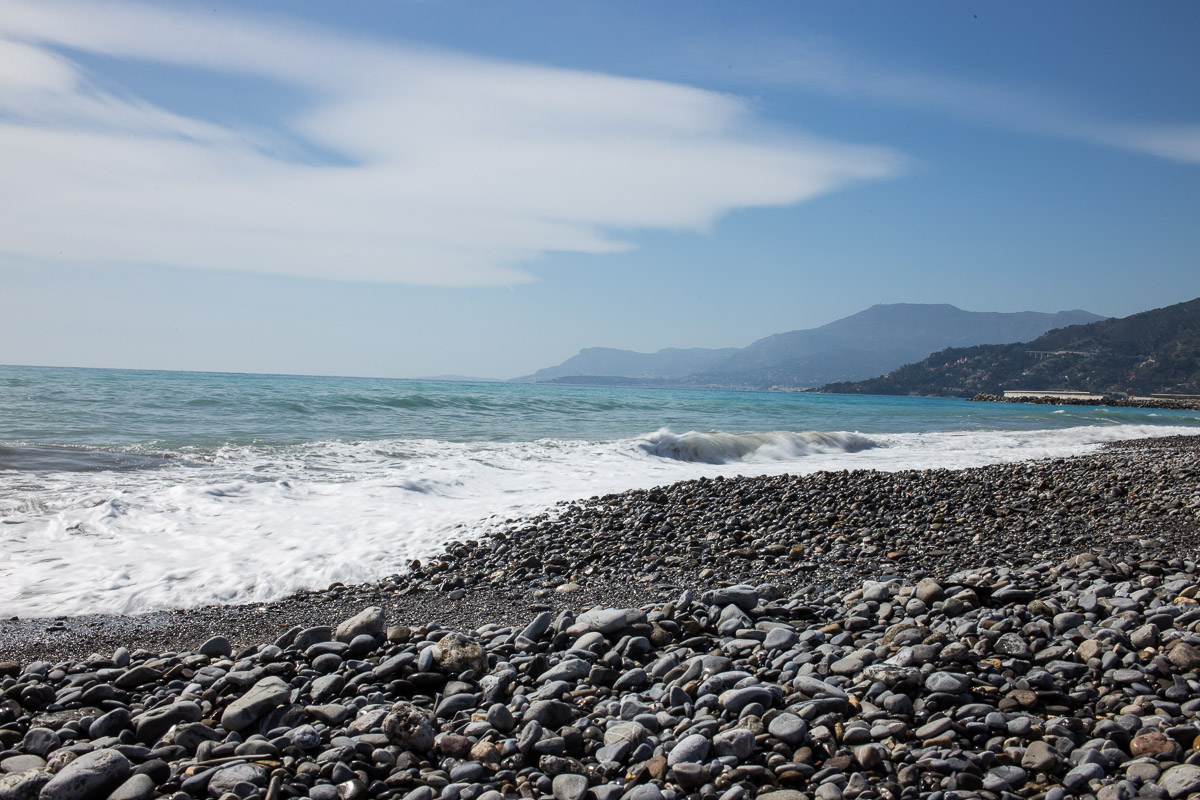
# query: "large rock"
[[409, 727], [89, 777], [1181, 780], [689, 748], [262, 697], [1185, 656], [228, 777], [461, 653], [743, 596], [369, 621], [570, 670], [151, 725], [569, 787], [601, 620], [139, 787], [632, 732], [23, 785]]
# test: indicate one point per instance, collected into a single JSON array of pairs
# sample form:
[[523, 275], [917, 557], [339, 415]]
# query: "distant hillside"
[[1154, 351], [669, 364], [868, 343]]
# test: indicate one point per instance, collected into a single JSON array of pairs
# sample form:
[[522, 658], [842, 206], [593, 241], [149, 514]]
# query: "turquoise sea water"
[[132, 490]]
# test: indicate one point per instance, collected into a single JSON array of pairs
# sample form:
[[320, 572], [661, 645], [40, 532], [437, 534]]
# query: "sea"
[[124, 491]]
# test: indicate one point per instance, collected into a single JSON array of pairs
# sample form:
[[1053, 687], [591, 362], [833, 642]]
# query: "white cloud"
[[452, 170], [819, 65]]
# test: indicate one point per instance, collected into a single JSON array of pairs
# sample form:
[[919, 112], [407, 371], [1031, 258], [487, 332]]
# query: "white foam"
[[244, 524]]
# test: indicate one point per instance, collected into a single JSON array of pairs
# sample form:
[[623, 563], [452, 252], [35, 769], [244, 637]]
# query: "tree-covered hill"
[[1154, 351]]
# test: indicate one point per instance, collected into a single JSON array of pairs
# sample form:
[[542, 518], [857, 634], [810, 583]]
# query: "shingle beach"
[[1019, 630]]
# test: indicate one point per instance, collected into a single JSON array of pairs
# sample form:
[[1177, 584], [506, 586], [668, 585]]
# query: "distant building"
[[1054, 394]]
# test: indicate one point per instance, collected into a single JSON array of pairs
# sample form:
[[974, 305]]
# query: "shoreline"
[[1026, 630], [474, 587]]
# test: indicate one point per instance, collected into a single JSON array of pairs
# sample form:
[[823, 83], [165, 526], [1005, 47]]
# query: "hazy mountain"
[[862, 345], [1154, 351], [668, 364]]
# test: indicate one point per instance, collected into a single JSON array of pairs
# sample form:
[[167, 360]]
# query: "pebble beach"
[[1018, 630]]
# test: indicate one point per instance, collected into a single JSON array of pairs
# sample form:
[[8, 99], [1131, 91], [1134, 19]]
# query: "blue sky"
[[403, 189]]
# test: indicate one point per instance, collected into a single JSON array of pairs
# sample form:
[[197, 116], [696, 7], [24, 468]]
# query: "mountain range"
[[1156, 351], [863, 345]]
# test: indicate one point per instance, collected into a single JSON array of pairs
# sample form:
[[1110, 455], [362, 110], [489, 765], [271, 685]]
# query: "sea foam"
[[254, 523]]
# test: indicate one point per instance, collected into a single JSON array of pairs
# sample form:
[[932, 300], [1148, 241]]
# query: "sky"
[[434, 187]]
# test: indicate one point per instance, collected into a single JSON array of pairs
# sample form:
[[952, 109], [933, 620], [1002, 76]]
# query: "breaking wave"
[[722, 447]]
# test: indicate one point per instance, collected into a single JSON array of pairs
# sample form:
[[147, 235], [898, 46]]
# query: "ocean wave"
[[722, 447], [64, 458]]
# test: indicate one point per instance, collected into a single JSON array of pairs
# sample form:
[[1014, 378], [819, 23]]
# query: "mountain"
[[868, 343], [1151, 352], [670, 364]]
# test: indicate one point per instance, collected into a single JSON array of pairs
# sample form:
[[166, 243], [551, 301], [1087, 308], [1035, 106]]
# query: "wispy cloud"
[[450, 170], [820, 65]]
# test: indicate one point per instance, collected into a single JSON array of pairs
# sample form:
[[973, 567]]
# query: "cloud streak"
[[446, 169], [818, 65]]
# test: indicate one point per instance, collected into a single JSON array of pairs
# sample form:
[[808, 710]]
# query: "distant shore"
[[1166, 404]]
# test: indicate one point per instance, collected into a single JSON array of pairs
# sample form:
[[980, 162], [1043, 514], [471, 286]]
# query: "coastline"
[[856, 517], [1022, 630]]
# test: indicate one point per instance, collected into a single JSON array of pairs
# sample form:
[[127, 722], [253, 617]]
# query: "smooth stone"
[[570, 670], [644, 791], [369, 621], [23, 785], [948, 682], [1039, 757], [788, 728], [632, 732], [1185, 656], [780, 639], [737, 742], [22, 763], [743, 596], [139, 787], [734, 700], [110, 724], [40, 741], [1081, 776], [569, 787], [217, 646], [689, 748], [226, 778], [1152, 743], [815, 687], [262, 697], [93, 774], [601, 620], [1181, 780]]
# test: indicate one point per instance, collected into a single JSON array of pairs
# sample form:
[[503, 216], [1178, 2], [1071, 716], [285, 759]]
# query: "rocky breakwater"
[[1060, 678], [1164, 403]]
